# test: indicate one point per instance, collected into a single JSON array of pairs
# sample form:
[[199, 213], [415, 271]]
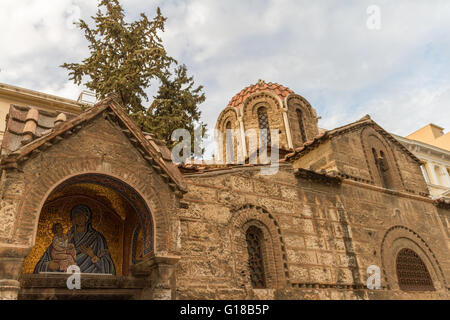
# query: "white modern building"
[[424, 143]]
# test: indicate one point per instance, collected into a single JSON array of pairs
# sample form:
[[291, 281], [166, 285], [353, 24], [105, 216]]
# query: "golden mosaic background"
[[103, 194], [109, 222]]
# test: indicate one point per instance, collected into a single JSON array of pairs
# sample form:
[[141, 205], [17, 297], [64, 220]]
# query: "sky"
[[326, 51]]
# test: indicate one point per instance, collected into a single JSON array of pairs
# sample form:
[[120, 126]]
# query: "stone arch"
[[38, 190], [372, 140], [227, 116], [398, 238], [273, 248], [274, 107], [295, 101], [269, 99], [294, 104], [135, 212]]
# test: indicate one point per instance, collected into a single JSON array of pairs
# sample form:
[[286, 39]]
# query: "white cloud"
[[320, 49]]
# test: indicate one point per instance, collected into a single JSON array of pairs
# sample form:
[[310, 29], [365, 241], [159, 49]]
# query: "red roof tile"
[[278, 89]]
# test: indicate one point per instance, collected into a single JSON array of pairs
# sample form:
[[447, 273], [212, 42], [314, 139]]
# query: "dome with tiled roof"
[[276, 88], [262, 108]]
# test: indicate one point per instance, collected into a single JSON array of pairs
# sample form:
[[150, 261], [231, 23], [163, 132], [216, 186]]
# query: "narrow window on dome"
[[263, 121], [229, 143], [301, 126]]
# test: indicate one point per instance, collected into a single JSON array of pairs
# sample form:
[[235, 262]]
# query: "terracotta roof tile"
[[24, 124], [278, 89]]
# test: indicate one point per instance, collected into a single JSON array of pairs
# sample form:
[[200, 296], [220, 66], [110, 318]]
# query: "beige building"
[[433, 135], [432, 146]]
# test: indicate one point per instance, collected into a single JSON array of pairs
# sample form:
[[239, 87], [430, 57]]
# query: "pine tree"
[[176, 106], [125, 58]]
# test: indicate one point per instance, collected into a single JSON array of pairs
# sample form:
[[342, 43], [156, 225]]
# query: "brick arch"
[[296, 102], [251, 120], [230, 114], [274, 250], [270, 99], [38, 190], [274, 108], [371, 138], [401, 237]]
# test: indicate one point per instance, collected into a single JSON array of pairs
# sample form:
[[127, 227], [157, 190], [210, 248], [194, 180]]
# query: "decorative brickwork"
[[383, 165], [273, 253], [398, 239], [302, 119]]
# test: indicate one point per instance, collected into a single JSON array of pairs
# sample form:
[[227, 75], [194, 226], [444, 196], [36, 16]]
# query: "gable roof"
[[329, 134], [153, 150]]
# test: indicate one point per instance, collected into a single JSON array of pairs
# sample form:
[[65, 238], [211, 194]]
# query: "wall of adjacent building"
[[435, 167]]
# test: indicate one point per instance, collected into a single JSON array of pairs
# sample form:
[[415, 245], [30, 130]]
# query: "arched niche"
[[118, 211], [381, 160], [398, 239], [302, 118]]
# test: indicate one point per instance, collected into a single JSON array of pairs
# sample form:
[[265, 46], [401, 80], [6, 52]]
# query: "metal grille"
[[254, 241], [412, 273], [263, 120], [300, 126]]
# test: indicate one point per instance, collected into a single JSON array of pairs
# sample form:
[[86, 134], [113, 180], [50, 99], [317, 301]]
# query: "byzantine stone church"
[[346, 216]]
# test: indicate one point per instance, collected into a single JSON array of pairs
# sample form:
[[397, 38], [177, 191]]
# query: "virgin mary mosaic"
[[82, 246]]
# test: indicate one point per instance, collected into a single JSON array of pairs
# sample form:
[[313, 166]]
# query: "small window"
[[229, 141], [254, 239], [301, 126], [263, 121], [382, 165], [412, 273]]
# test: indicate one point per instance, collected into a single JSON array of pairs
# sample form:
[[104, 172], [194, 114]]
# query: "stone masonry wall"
[[326, 236]]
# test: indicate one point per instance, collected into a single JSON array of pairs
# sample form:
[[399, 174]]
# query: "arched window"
[[254, 239], [412, 273], [263, 121], [301, 126], [382, 167], [229, 147]]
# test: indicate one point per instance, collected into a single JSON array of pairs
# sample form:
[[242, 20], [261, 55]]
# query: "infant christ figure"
[[63, 251]]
